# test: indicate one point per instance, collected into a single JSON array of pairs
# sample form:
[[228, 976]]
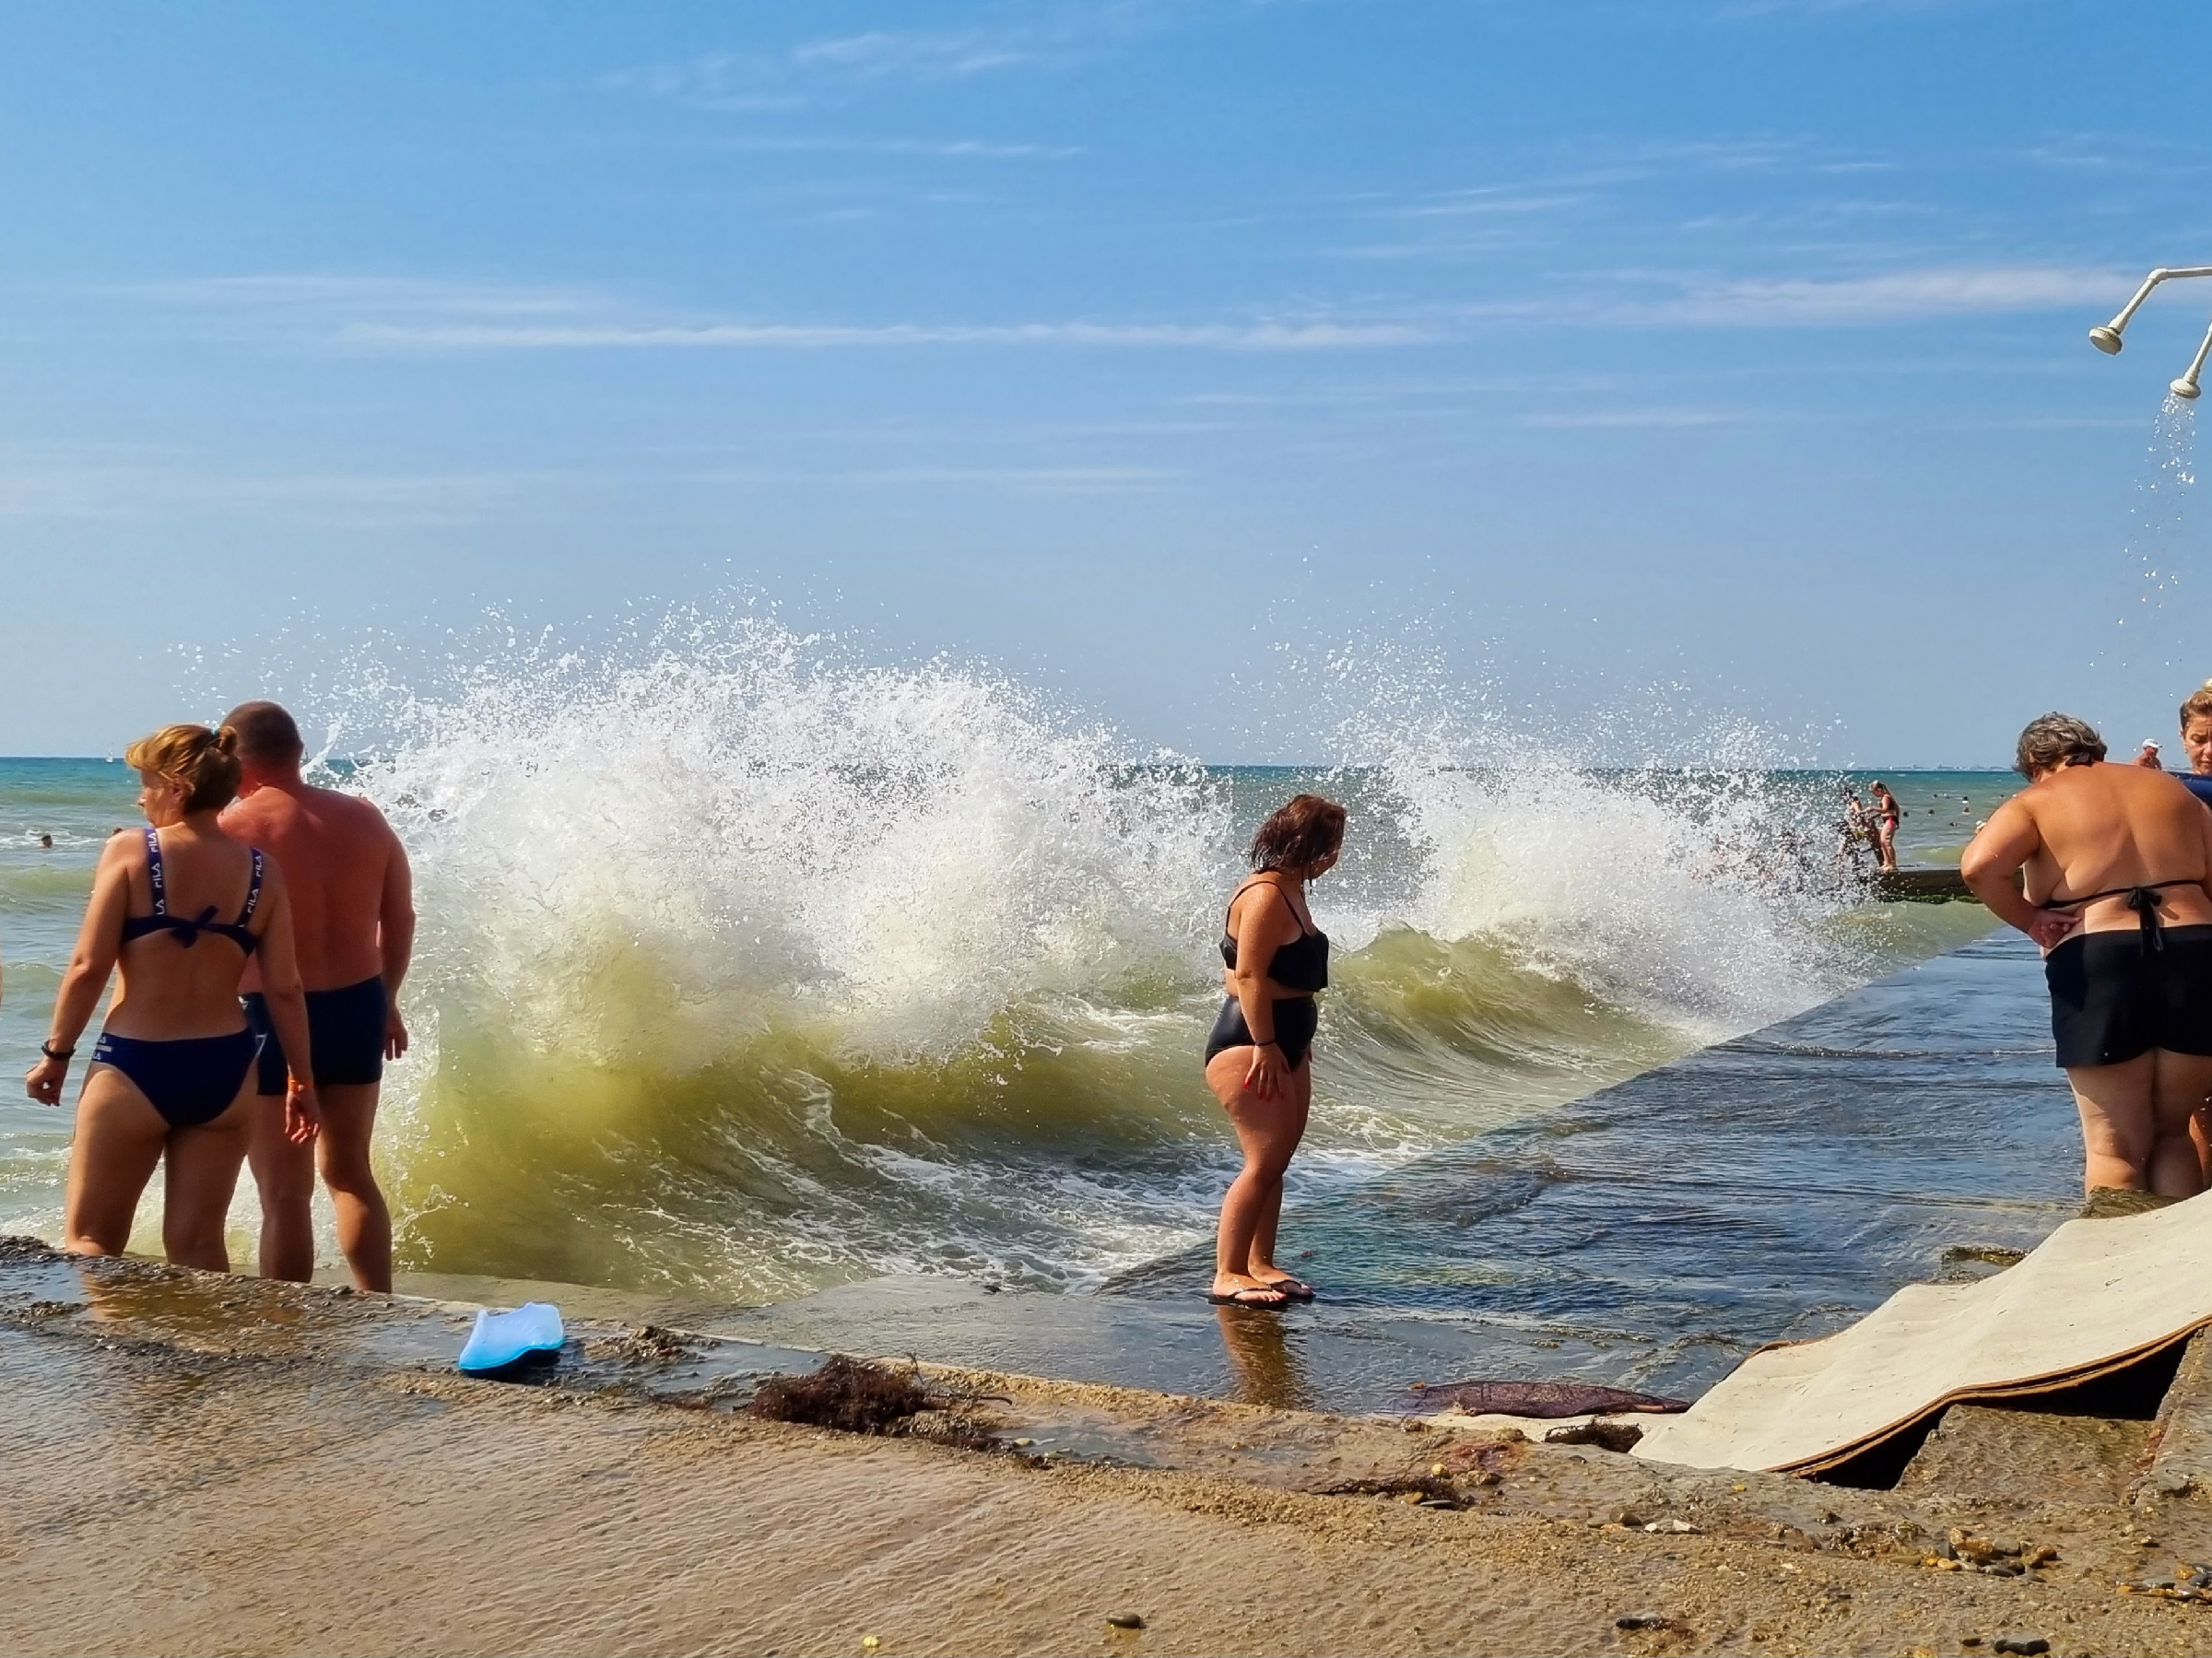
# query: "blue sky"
[[1729, 345]]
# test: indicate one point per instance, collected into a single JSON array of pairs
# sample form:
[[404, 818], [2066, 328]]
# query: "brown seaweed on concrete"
[[848, 1394], [1540, 1399]]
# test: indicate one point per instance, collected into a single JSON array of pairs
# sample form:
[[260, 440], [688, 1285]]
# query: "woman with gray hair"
[[2121, 857]]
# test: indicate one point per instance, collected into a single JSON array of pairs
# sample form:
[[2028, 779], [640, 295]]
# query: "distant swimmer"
[[1886, 815], [2148, 756], [179, 908], [2127, 949], [354, 898], [46, 843], [1258, 1060]]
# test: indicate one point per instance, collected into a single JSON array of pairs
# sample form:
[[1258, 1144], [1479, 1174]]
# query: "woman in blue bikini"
[[172, 1078]]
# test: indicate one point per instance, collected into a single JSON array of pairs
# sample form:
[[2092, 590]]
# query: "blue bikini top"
[[188, 932]]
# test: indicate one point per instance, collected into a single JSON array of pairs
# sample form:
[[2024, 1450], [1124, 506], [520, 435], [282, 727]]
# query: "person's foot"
[[1233, 1290], [1274, 1277]]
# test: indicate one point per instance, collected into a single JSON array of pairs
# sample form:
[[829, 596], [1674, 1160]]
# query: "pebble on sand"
[[1125, 1621], [2031, 1645]]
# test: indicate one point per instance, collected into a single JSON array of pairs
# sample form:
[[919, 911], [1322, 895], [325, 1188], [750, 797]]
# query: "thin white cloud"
[[765, 79], [141, 491], [1219, 336], [931, 56], [1055, 481], [312, 293], [949, 150], [378, 314], [1949, 290], [1813, 302], [1670, 418], [1474, 202]]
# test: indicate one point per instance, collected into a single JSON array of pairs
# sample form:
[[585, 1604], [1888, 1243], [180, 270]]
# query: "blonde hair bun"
[[204, 762]]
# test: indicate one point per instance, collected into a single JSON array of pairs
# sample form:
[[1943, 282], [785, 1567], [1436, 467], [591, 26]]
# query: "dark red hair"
[[1300, 834]]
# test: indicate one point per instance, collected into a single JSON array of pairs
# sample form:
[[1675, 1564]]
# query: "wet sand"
[[202, 1465]]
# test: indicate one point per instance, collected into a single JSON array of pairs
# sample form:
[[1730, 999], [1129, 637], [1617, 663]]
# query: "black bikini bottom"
[[2113, 999], [1296, 1020], [191, 1080]]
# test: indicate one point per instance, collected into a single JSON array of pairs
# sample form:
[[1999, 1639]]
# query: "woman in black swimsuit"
[[2121, 857], [1257, 1060], [179, 908]]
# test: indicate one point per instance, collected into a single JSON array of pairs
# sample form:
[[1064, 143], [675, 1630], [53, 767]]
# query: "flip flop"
[[1236, 1297], [1298, 1289]]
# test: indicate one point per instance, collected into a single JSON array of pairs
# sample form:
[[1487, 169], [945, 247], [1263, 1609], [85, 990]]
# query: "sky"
[[1719, 356]]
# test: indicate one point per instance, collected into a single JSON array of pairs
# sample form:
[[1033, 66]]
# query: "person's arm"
[[97, 942], [287, 1001], [395, 940], [1259, 933], [1995, 856]]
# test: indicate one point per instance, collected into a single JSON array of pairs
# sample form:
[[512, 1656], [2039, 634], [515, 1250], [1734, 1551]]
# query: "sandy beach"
[[211, 1465]]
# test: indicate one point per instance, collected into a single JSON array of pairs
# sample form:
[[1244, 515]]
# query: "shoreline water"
[[1607, 1240], [766, 1075]]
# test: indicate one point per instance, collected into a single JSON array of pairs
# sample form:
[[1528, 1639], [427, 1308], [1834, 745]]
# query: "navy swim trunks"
[[345, 1031]]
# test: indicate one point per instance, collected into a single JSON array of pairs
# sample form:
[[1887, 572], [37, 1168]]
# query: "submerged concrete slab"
[[2027, 1457], [2180, 1452]]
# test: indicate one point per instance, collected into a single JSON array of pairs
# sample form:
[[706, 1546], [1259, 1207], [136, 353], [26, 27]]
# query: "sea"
[[749, 976]]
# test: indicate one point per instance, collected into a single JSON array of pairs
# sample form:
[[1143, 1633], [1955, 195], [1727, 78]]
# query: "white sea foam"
[[750, 964]]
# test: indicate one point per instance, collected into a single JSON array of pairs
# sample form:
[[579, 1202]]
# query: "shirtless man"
[[353, 922]]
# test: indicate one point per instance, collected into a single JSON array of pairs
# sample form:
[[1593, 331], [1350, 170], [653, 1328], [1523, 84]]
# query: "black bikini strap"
[[1272, 885], [2144, 900], [153, 871]]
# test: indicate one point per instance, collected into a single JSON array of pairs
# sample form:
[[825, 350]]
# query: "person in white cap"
[[2148, 758]]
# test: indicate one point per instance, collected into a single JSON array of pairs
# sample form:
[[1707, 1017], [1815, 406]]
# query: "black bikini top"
[[1302, 964], [188, 932], [2142, 901]]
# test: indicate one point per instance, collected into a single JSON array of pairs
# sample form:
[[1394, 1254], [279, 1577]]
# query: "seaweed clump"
[[848, 1394]]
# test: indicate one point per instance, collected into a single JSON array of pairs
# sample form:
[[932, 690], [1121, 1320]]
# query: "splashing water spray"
[[2164, 492]]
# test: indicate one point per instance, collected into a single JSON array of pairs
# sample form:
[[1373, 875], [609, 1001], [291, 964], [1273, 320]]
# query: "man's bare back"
[[354, 927], [337, 853]]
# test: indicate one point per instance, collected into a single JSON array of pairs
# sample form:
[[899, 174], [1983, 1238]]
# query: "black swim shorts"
[[345, 1034], [2114, 998]]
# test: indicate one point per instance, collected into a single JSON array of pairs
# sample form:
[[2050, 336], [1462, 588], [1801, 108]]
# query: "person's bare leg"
[[2183, 1082], [285, 1176], [1260, 1262], [1264, 1133], [2202, 1134], [342, 1150], [2118, 1131], [202, 1177], [118, 1142]]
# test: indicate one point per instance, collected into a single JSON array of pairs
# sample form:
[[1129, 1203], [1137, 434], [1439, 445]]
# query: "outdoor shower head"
[[2106, 336], [2186, 387]]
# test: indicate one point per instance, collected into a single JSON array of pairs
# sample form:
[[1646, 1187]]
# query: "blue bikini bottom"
[[189, 1081]]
